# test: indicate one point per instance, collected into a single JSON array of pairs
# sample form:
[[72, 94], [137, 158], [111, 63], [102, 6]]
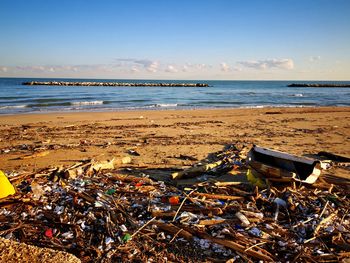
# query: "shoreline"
[[170, 108]]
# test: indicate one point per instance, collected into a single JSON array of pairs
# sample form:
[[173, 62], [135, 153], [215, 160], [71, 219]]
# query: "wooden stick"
[[137, 231], [324, 221], [193, 171], [216, 196], [174, 230], [182, 203], [253, 246], [237, 247], [178, 232], [212, 222], [204, 211]]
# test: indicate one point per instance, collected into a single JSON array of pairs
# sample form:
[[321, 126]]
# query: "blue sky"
[[180, 39]]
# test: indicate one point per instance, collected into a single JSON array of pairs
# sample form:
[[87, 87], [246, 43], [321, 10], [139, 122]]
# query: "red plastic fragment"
[[49, 233], [139, 184], [174, 200]]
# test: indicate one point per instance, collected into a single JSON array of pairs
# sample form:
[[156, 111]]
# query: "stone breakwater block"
[[113, 84], [319, 85]]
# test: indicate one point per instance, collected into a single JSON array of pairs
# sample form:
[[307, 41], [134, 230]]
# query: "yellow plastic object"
[[6, 187], [255, 180]]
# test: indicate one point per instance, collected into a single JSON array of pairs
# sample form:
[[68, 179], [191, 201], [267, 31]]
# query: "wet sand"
[[162, 138]]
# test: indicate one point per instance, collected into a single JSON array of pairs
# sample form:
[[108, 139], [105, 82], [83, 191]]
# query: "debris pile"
[[100, 213]]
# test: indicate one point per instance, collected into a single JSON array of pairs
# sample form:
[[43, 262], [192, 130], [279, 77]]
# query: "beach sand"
[[163, 139], [33, 141]]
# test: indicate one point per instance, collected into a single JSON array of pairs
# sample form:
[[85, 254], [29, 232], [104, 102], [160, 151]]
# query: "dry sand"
[[14, 252], [160, 137]]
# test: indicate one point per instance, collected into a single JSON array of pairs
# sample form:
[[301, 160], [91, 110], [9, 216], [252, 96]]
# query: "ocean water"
[[16, 98]]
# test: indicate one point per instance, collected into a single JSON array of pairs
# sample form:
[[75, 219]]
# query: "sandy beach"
[[161, 138], [158, 143]]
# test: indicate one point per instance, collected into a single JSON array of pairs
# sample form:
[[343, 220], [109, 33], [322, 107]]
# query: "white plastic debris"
[[67, 235], [123, 228], [98, 204], [108, 240], [47, 207], [188, 217], [244, 220], [24, 215], [268, 226]]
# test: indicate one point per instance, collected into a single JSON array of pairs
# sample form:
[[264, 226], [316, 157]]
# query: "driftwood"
[[252, 252], [194, 171], [216, 196], [172, 229]]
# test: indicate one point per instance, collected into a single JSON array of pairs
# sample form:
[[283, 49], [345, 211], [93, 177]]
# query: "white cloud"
[[3, 69], [153, 67], [147, 64], [135, 69], [224, 67], [201, 66], [187, 67], [269, 64], [314, 58], [171, 69], [31, 68]]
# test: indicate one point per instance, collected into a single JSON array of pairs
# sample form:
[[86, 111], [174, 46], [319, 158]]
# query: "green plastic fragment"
[[126, 237], [110, 191], [255, 180]]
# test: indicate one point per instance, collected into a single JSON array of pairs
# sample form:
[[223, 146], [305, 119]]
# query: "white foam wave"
[[166, 105], [298, 95], [82, 103], [13, 106]]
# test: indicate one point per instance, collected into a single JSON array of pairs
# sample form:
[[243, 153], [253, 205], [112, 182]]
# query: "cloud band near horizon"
[[148, 66]]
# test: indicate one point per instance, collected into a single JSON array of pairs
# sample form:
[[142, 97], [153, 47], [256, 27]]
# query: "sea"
[[16, 98]]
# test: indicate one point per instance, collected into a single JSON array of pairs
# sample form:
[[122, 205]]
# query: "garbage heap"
[[101, 213]]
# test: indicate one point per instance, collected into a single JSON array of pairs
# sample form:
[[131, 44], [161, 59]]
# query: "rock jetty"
[[114, 84], [319, 85]]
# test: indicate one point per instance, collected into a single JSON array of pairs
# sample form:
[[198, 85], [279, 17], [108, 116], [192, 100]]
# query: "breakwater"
[[113, 84], [318, 85]]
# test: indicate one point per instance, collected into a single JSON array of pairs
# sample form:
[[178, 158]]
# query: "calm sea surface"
[[16, 98]]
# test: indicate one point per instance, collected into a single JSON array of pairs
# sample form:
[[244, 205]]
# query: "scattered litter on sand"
[[209, 212]]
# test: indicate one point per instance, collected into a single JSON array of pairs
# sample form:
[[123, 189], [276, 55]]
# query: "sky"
[[176, 39]]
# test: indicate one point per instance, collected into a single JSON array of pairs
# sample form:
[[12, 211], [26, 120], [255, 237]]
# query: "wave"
[[13, 106], [217, 102], [73, 103], [166, 105], [297, 95], [38, 105], [84, 103]]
